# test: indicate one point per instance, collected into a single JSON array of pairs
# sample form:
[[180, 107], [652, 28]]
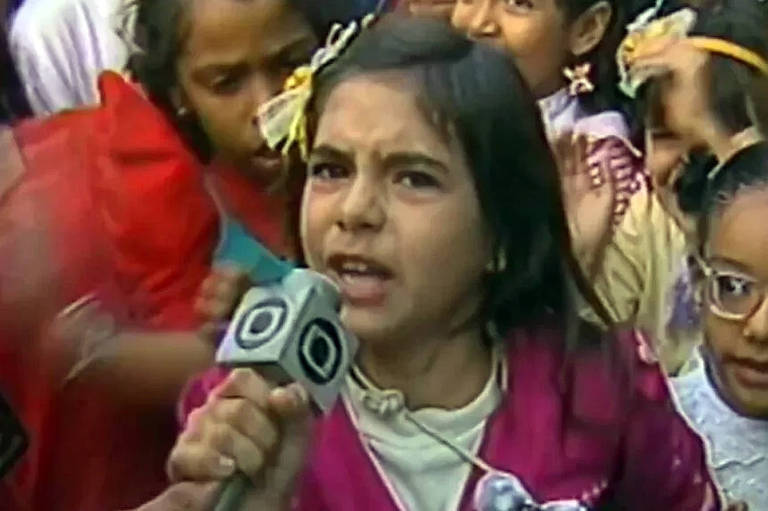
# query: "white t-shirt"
[[61, 46], [423, 474]]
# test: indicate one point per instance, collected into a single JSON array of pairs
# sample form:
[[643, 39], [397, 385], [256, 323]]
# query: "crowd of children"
[[545, 219]]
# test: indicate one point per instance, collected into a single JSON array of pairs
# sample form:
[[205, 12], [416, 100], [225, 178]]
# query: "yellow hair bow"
[[283, 119], [647, 34]]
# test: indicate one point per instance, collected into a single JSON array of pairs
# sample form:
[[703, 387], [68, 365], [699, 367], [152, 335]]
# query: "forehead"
[[740, 234], [382, 112], [241, 30]]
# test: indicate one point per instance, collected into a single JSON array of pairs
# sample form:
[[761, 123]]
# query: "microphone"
[[290, 330], [13, 438]]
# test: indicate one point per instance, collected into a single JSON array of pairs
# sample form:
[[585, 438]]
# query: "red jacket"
[[106, 200]]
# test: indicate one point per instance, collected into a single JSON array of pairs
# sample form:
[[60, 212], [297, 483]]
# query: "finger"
[[209, 285], [246, 384], [563, 150], [197, 461], [229, 443], [289, 402], [292, 404], [216, 308], [223, 276], [212, 332], [582, 147], [184, 497], [249, 421], [229, 270], [656, 46]]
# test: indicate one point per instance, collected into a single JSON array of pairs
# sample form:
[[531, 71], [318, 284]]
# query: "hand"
[[589, 205], [183, 497], [684, 79], [85, 332], [251, 427], [219, 295]]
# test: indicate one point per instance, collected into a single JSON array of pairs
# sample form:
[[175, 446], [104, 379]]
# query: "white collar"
[[731, 437]]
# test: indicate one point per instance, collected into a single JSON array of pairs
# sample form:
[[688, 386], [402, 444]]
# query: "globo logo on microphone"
[[293, 324]]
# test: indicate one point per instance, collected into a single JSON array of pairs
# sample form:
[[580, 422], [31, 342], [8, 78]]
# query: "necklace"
[[497, 490]]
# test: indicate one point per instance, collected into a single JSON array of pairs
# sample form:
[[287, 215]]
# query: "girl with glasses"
[[726, 396]]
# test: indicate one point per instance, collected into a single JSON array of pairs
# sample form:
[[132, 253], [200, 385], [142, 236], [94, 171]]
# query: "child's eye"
[[416, 180], [327, 171], [519, 5], [227, 84], [733, 286]]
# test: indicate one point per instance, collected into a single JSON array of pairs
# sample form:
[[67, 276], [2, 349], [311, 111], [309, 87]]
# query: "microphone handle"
[[233, 493]]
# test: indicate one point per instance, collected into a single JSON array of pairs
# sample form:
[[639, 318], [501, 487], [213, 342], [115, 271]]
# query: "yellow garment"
[[636, 278]]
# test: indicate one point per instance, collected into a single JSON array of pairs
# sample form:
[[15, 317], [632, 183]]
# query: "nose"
[[362, 206], [756, 326], [264, 87], [482, 23]]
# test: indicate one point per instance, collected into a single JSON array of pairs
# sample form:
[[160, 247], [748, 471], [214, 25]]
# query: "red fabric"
[[112, 202]]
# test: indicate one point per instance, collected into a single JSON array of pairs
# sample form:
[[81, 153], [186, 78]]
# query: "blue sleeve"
[[239, 247]]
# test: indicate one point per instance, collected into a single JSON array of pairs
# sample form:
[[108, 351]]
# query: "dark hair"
[[607, 95], [159, 33], [478, 93], [746, 171], [738, 92]]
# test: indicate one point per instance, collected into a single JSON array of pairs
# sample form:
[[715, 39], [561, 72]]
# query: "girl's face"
[[666, 157], [737, 252], [391, 214], [235, 56], [534, 31]]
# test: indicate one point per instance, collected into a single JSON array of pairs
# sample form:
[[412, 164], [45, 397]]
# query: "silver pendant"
[[501, 491]]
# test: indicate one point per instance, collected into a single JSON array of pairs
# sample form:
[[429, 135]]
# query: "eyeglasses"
[[733, 295]]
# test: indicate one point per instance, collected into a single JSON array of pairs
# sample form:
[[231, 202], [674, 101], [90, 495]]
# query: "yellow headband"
[[732, 50], [676, 26]]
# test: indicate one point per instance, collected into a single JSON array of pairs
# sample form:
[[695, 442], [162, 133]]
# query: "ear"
[[590, 28]]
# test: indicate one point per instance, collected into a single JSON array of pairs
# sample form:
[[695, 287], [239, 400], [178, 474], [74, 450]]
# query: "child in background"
[[471, 353], [643, 276], [565, 50], [726, 395], [115, 215]]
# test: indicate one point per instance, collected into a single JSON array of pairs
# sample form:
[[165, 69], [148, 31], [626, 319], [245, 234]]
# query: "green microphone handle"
[[233, 493]]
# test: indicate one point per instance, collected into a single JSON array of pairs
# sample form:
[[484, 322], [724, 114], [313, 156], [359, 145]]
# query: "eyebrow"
[[328, 152], [303, 44], [734, 265], [212, 70], [407, 158], [398, 159]]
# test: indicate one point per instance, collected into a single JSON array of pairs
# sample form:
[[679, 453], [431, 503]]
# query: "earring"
[[182, 111], [578, 76]]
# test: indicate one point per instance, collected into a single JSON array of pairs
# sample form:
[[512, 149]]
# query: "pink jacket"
[[593, 440]]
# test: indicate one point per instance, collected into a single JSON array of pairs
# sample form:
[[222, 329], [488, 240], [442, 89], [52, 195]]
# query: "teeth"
[[355, 266]]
